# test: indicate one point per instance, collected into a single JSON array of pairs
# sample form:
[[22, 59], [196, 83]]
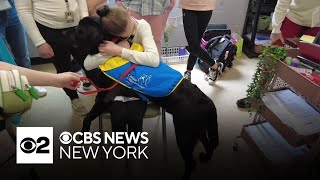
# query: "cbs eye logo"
[[29, 145], [34, 145], [65, 137]]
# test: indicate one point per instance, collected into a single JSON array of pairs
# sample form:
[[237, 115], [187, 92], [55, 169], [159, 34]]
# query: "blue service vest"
[[155, 82]]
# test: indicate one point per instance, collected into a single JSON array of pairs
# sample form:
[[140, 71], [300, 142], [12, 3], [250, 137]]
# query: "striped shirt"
[[147, 7]]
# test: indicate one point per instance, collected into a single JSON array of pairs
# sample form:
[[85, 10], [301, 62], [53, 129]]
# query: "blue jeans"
[[5, 56], [12, 31]]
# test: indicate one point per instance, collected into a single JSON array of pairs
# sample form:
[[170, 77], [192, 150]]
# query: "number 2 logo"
[[29, 145]]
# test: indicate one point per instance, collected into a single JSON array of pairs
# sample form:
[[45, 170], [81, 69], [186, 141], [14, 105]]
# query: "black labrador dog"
[[194, 114]]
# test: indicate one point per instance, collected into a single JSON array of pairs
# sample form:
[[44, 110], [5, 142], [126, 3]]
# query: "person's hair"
[[113, 20]]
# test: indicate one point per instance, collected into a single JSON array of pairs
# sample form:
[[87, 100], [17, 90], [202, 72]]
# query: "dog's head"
[[88, 35]]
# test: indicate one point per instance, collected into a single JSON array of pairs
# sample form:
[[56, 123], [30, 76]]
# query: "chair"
[[152, 111]]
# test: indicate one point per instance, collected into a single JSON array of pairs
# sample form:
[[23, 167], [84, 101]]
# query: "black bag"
[[221, 49], [214, 30]]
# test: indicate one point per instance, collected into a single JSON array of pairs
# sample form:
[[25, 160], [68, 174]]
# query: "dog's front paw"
[[204, 157], [189, 168]]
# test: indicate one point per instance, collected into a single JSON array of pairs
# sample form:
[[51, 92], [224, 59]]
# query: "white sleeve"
[[83, 8], [150, 56], [279, 15], [93, 61], [25, 13]]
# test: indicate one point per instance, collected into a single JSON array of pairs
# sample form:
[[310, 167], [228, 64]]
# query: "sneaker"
[[86, 85], [213, 73], [41, 91], [77, 106], [242, 103], [187, 75]]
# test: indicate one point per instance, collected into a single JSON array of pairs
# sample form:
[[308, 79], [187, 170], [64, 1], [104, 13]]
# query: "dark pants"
[[195, 23], [62, 48], [129, 113]]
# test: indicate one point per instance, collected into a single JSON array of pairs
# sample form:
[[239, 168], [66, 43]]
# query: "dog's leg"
[[205, 156], [186, 141], [211, 137], [95, 111]]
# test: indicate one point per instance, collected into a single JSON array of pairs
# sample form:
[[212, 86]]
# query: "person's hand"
[[67, 80], [120, 4], [171, 5], [275, 37], [109, 48], [92, 11], [45, 51], [124, 44]]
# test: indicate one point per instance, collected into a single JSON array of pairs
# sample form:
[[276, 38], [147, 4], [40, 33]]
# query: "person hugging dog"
[[194, 114], [124, 110]]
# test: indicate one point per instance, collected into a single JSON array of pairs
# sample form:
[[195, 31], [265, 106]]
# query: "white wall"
[[230, 12]]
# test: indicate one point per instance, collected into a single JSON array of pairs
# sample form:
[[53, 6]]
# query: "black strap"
[[213, 41]]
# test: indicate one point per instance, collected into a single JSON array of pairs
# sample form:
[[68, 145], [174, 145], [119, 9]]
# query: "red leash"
[[98, 89]]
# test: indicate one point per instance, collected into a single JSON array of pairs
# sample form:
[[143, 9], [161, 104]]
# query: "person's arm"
[[93, 61], [150, 56], [171, 6], [83, 8], [93, 4], [279, 15], [25, 13], [38, 78]]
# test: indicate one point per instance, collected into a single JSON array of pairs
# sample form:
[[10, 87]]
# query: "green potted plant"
[[167, 32], [261, 79]]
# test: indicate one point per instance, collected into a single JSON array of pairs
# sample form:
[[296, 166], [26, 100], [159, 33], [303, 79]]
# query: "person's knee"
[[194, 50], [135, 124]]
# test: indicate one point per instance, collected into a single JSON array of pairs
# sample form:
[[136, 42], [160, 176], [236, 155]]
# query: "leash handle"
[[98, 89]]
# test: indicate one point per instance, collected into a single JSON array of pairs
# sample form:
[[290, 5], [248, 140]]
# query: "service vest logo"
[[34, 145]]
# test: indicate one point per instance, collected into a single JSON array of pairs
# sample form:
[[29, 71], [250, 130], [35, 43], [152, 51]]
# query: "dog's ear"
[[96, 21], [88, 35]]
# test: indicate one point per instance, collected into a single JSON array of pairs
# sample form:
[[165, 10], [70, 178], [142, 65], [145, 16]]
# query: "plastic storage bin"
[[238, 43], [174, 55]]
